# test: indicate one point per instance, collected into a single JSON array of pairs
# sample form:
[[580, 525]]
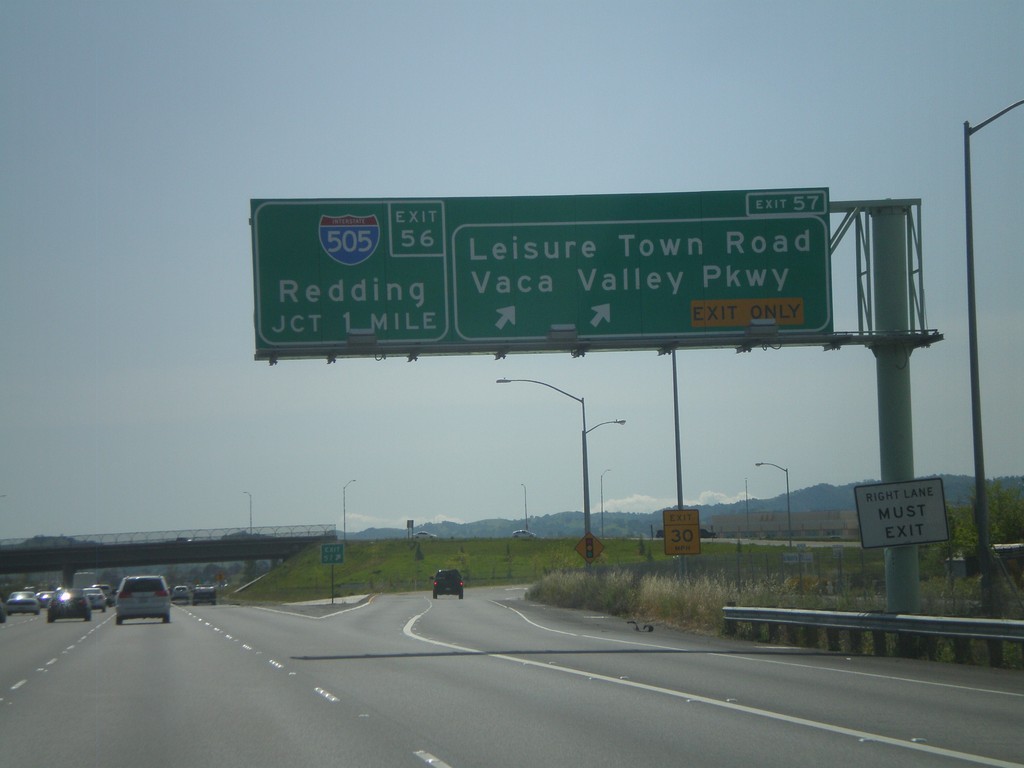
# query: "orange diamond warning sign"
[[589, 547]]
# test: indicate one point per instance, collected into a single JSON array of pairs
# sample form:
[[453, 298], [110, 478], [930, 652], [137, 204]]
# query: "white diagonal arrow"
[[601, 312], [506, 315]]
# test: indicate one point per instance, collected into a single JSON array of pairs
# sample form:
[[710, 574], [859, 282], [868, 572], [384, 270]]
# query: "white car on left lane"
[[22, 601]]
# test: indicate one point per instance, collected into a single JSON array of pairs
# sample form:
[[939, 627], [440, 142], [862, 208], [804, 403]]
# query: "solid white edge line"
[[780, 662], [729, 705]]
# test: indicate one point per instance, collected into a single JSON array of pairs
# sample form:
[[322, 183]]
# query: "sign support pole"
[[892, 373], [679, 453]]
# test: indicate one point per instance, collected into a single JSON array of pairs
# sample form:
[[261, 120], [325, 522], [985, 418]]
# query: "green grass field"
[[401, 565]]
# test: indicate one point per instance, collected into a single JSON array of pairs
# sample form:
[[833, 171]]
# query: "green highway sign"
[[453, 275], [330, 274], [332, 554]]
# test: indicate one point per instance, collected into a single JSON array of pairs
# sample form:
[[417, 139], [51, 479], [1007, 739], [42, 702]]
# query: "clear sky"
[[133, 136]]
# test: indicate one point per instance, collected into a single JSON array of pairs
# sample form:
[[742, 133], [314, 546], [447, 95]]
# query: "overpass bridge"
[[67, 554]]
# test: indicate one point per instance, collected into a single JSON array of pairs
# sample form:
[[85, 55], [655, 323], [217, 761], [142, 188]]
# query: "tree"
[[1005, 519], [1005, 513]]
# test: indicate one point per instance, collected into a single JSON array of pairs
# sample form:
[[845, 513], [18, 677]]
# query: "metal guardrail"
[[942, 626], [961, 631]]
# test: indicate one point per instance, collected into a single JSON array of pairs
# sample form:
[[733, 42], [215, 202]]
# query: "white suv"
[[143, 597]]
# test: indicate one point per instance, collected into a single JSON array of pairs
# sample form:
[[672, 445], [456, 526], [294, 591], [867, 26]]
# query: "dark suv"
[[448, 582], [204, 594]]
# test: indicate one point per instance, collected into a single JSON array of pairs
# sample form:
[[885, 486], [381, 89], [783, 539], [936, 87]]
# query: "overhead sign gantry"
[[356, 277]]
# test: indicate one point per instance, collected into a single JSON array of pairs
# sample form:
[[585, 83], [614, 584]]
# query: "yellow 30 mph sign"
[[682, 531]]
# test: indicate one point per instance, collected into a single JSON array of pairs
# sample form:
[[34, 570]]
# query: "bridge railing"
[[194, 534]]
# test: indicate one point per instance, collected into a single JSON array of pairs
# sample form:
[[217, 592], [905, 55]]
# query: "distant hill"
[[959, 490]]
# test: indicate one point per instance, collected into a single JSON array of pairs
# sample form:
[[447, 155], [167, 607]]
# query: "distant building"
[[841, 524]]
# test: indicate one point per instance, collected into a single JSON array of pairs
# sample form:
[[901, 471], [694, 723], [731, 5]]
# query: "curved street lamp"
[[586, 471], [980, 494], [789, 515]]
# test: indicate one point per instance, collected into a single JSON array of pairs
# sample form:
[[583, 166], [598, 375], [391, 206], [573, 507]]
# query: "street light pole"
[[586, 470], [250, 510], [344, 511], [586, 474], [980, 494], [526, 513], [602, 501], [746, 497], [789, 512]]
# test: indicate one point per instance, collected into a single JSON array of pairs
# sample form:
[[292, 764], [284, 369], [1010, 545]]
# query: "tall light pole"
[[526, 514], [344, 511], [586, 475], [586, 471], [980, 494], [602, 500], [789, 514], [250, 510], [746, 498]]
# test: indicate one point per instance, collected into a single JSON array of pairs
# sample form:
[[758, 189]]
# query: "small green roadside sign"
[[332, 554]]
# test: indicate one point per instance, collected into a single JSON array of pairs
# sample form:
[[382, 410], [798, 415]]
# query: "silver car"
[[22, 602], [97, 600], [108, 591], [143, 597]]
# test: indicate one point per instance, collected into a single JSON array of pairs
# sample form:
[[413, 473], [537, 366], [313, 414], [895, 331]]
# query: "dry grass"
[[694, 603]]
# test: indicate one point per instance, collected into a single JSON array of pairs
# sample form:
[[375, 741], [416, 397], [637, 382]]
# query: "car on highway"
[[204, 593], [523, 534], [143, 597], [181, 594], [424, 535], [97, 600], [22, 601], [69, 604], [448, 581], [108, 593], [44, 598]]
